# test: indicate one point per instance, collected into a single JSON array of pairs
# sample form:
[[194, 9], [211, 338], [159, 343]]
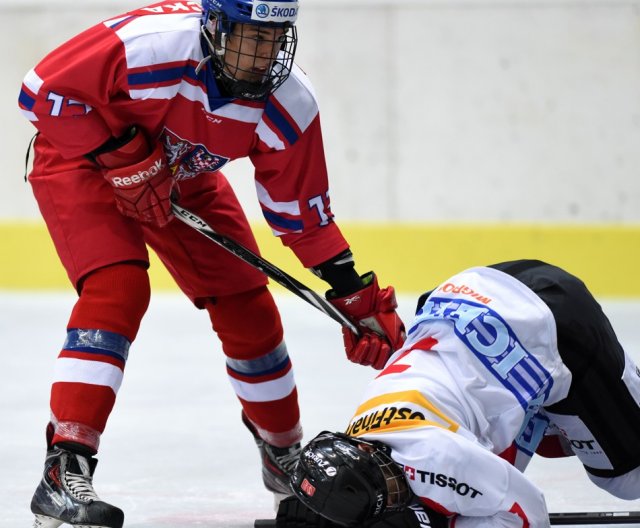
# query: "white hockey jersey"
[[460, 402]]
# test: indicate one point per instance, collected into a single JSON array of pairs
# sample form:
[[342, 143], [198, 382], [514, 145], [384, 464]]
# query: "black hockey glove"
[[414, 516], [293, 514]]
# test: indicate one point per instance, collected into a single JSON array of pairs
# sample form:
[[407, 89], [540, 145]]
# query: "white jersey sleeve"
[[452, 473]]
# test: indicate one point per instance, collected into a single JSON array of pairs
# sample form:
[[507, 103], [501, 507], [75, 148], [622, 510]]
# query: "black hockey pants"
[[599, 396]]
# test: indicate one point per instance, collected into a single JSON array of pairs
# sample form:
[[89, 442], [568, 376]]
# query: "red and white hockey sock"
[[267, 391], [89, 369], [258, 365]]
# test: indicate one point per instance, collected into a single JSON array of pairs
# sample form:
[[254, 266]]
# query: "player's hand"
[[293, 514], [373, 311], [140, 176], [417, 516], [143, 190]]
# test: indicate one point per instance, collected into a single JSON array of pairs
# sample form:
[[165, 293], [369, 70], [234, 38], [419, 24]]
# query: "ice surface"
[[175, 453]]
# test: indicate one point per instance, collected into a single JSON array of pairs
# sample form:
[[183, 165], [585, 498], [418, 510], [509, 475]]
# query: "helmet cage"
[[348, 480], [235, 70], [395, 481]]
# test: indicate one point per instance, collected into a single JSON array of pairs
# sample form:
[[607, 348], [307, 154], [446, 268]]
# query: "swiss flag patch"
[[308, 488]]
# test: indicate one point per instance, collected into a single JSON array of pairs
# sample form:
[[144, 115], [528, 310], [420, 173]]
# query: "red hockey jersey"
[[140, 69]]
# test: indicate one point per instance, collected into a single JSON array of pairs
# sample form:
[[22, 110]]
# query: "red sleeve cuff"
[[316, 246]]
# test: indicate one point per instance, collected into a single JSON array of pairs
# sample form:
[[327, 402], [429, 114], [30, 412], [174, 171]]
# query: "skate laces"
[[80, 486], [280, 459], [284, 457]]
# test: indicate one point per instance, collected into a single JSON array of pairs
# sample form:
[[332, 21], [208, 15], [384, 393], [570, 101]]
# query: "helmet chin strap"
[[212, 48], [202, 63]]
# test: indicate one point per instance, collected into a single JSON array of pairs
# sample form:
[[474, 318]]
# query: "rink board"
[[412, 257]]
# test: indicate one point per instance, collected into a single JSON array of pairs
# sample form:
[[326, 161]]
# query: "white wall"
[[453, 110]]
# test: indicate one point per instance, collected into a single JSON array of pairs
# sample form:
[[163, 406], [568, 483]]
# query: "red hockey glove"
[[142, 182], [373, 311]]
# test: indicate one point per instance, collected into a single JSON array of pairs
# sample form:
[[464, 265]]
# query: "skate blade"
[[42, 521]]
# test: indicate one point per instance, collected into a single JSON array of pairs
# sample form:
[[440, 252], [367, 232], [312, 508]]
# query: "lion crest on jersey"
[[187, 160]]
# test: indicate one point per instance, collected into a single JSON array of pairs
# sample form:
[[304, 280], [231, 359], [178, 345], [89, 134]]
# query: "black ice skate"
[[66, 494], [277, 464]]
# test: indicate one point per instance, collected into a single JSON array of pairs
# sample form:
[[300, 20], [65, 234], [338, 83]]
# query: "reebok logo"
[[140, 177], [350, 300]]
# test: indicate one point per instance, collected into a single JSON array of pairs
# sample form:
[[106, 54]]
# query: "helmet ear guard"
[[348, 480]]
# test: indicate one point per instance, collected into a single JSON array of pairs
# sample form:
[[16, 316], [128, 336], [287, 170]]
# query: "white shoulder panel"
[[161, 39], [298, 98]]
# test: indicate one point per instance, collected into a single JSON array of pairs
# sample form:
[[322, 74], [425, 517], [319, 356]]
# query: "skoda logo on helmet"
[[276, 12], [262, 10]]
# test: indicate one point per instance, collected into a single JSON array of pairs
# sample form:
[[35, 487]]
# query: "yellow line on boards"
[[412, 257]]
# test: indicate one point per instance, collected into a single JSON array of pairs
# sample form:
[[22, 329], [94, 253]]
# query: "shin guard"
[[258, 365], [89, 369]]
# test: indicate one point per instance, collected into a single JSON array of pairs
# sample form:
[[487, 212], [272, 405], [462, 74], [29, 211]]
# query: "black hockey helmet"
[[349, 480]]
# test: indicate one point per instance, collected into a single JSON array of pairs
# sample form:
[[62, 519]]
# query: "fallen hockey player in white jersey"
[[501, 362]]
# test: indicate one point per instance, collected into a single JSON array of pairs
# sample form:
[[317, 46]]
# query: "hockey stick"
[[273, 272], [577, 518], [606, 517]]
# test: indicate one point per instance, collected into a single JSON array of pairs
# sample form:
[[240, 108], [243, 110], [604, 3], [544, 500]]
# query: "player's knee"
[[626, 487], [248, 323], [113, 298]]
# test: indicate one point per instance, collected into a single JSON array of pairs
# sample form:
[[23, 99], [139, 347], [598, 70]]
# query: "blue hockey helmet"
[[252, 44], [349, 480]]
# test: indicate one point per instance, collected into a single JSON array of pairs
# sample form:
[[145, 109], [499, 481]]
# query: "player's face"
[[397, 489], [251, 50]]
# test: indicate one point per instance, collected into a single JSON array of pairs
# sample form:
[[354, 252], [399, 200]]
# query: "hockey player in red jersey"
[[146, 108], [500, 362]]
